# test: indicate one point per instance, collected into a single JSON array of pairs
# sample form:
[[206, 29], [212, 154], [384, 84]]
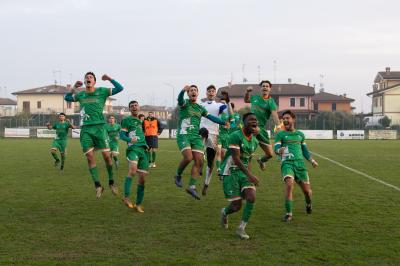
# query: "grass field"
[[48, 217]]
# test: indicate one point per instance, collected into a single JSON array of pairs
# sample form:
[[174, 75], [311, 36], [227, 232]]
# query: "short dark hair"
[[265, 81], [140, 115], [194, 86], [289, 112], [91, 73], [211, 87], [233, 105], [131, 102], [62, 114], [247, 115]]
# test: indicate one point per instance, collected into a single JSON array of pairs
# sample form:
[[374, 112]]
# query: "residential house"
[[386, 95], [8, 107], [49, 99], [324, 101]]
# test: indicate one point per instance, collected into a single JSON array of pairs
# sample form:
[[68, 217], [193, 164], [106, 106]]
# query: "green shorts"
[[235, 183], [60, 145], [189, 141], [138, 155], [296, 170], [94, 137], [223, 141], [114, 147], [263, 136]]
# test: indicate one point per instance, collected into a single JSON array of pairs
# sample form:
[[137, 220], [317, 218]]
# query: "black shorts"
[[152, 141]]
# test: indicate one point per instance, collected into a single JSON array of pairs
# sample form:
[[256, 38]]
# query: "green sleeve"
[[203, 111], [304, 149], [278, 144], [124, 124], [117, 87], [181, 100]]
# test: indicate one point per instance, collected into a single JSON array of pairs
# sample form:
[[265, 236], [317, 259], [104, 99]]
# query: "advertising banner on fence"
[[318, 134], [16, 132], [382, 134], [164, 134], [45, 133], [76, 133], [173, 134], [350, 134]]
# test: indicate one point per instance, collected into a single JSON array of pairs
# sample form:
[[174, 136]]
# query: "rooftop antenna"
[[275, 68], [59, 75], [244, 78], [321, 83]]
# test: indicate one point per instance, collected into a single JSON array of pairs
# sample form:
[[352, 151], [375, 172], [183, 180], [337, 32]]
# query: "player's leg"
[[194, 176], [186, 151], [249, 194], [210, 155], [263, 139], [143, 167], [289, 185], [53, 152], [154, 154], [132, 158], [304, 182], [102, 143], [109, 166], [232, 193], [88, 149], [306, 188], [63, 149]]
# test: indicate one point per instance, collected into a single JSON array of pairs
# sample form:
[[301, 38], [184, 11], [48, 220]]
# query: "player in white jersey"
[[214, 108]]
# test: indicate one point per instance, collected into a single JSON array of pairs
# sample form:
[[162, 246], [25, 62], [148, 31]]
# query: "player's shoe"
[[224, 219], [204, 191], [128, 203], [114, 189], [262, 164], [178, 181], [309, 208], [139, 208], [241, 233], [287, 218], [99, 191], [56, 162], [192, 192], [154, 165]]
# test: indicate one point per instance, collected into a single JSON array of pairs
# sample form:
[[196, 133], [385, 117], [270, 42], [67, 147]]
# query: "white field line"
[[358, 172]]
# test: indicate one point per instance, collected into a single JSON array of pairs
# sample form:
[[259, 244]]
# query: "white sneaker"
[[242, 234]]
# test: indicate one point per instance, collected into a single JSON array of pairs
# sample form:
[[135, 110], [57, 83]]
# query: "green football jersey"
[[92, 105], [61, 130], [133, 126], [291, 141], [262, 108], [237, 140], [113, 131], [189, 118]]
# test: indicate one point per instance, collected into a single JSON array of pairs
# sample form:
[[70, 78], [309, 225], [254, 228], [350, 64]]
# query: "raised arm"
[[70, 96], [247, 94], [181, 100], [275, 117], [117, 87]]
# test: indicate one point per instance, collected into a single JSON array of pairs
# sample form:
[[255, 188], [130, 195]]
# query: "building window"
[[292, 102], [69, 105], [333, 106], [302, 102], [26, 107], [39, 104], [315, 106]]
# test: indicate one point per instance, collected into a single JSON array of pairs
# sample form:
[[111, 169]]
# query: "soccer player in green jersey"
[[189, 141], [93, 133], [239, 182], [60, 141], [113, 134], [264, 107], [290, 145], [136, 154]]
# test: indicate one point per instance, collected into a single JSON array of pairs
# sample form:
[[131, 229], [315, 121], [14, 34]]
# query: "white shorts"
[[211, 141]]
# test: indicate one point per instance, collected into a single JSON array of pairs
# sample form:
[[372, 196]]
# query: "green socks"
[[192, 182], [110, 174], [247, 211], [228, 210], [115, 159], [289, 206], [55, 156], [307, 198], [264, 159], [95, 174], [150, 157], [153, 157], [179, 171], [62, 160], [139, 194], [127, 186]]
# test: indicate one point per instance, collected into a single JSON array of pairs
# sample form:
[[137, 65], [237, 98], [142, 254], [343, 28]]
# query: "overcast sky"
[[151, 47]]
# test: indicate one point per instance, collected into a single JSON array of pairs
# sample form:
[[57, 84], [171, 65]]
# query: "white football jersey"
[[214, 109]]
